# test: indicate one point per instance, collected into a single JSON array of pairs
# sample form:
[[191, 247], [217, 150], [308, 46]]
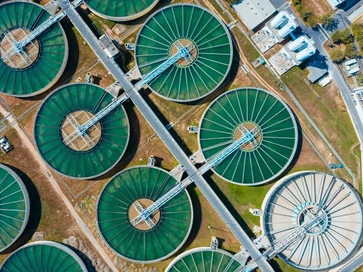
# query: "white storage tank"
[[287, 29], [279, 19], [299, 42], [306, 53]]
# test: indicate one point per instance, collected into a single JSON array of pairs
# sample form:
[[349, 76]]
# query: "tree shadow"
[[34, 215], [332, 26]]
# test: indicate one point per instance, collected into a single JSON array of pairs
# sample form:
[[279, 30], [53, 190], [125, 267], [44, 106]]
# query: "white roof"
[[354, 70], [254, 12], [325, 81], [335, 3], [351, 61]]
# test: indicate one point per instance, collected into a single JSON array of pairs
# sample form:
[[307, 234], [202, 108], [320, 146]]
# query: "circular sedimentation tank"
[[205, 259], [299, 197], [43, 256], [42, 62], [210, 50], [117, 206], [85, 156], [256, 110], [14, 207], [121, 10]]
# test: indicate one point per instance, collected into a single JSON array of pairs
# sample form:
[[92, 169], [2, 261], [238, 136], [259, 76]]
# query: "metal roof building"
[[108, 46], [252, 12], [317, 67], [335, 3]]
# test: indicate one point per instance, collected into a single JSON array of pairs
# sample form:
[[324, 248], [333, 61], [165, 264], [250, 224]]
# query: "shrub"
[[336, 55]]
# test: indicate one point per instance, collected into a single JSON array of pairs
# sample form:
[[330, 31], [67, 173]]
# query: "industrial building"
[[275, 31], [271, 121], [62, 144], [317, 67], [254, 13], [205, 259], [125, 196], [120, 10], [312, 220], [335, 3], [43, 256], [15, 207], [247, 136], [206, 37], [29, 64], [293, 54], [108, 46]]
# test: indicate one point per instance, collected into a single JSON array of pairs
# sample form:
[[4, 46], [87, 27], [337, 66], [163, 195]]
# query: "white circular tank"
[[306, 53], [325, 209], [279, 19], [287, 29], [294, 45]]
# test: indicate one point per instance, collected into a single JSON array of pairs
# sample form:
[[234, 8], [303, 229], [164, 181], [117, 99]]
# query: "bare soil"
[[144, 203], [23, 59], [317, 7], [80, 142]]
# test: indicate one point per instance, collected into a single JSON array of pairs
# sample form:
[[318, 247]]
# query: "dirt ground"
[[359, 19], [317, 7], [48, 212]]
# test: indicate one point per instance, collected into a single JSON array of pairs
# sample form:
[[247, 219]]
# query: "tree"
[[327, 20], [296, 2], [346, 36], [336, 55], [342, 36], [359, 77], [357, 30], [336, 36], [312, 21], [350, 51]]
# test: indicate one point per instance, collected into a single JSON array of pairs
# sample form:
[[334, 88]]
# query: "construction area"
[[132, 149]]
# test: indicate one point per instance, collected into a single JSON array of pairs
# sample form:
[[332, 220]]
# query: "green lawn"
[[333, 120]]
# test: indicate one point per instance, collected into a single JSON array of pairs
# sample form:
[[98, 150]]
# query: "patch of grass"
[[100, 23], [280, 266], [246, 47], [332, 118]]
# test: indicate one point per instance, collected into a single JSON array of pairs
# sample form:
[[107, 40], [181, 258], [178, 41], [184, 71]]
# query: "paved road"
[[357, 262], [320, 37], [166, 138]]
